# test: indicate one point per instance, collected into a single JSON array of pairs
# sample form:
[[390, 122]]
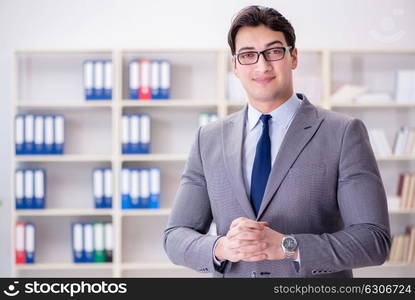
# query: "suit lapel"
[[232, 140], [303, 127]]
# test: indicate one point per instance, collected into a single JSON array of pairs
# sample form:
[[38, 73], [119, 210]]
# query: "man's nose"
[[263, 65]]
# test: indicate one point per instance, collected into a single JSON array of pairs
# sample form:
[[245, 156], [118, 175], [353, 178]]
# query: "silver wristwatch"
[[289, 245]]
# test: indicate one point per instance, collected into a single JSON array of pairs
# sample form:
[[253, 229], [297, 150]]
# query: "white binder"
[[19, 189], [134, 134], [98, 179], [135, 188], [29, 189], [145, 133], [108, 188], [30, 243], [59, 134], [89, 242], [39, 191], [125, 137], [144, 188], [49, 134], [39, 134], [19, 134], [125, 188], [99, 79], [29, 134]]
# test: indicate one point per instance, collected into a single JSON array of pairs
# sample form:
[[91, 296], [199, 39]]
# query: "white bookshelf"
[[50, 81]]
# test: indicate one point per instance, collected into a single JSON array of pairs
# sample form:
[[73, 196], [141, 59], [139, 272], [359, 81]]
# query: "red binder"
[[20, 245]]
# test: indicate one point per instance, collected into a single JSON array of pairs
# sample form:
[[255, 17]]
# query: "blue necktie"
[[262, 165]]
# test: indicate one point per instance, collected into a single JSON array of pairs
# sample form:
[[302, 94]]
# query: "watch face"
[[289, 243]]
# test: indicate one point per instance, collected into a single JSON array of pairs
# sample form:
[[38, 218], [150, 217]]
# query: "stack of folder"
[[39, 134], [102, 187], [30, 186], [25, 243], [136, 134], [149, 79], [206, 118], [92, 242], [140, 188], [98, 79]]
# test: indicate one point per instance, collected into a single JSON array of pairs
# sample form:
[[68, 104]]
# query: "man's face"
[[266, 80]]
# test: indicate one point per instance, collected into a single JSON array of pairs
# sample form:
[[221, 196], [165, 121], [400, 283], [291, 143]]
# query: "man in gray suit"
[[294, 190]]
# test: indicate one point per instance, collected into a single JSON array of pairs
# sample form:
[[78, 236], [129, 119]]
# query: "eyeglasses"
[[252, 57]]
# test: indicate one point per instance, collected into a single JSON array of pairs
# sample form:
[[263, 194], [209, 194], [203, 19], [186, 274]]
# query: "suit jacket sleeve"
[[185, 240], [365, 239]]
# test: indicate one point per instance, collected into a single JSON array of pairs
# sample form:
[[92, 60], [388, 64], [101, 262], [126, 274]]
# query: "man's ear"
[[233, 63], [294, 59]]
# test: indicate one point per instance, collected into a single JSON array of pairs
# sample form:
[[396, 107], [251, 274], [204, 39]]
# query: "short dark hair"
[[256, 15]]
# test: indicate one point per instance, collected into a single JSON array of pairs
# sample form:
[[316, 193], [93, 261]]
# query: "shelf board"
[[151, 266], [350, 104], [146, 212], [64, 212], [65, 104], [62, 51], [63, 158], [64, 266], [193, 103], [155, 157]]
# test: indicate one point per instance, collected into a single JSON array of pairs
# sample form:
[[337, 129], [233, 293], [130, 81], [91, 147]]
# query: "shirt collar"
[[282, 114]]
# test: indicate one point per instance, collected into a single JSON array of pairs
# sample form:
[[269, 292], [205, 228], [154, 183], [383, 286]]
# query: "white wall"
[[180, 23]]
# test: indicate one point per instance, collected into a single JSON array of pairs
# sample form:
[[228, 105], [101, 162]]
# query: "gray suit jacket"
[[324, 188]]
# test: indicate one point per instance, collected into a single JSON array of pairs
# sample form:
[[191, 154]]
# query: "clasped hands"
[[250, 241]]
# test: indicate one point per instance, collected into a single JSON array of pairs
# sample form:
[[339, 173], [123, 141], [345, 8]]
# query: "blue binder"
[[59, 138], [155, 187], [107, 80], [165, 79], [89, 79], [135, 188], [135, 130], [144, 188], [78, 251], [134, 79], [19, 189], [39, 188], [155, 80], [19, 135], [30, 243], [98, 187], [125, 123], [29, 198], [125, 188], [39, 134], [107, 188], [88, 242], [49, 134], [29, 124], [144, 134], [98, 88]]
